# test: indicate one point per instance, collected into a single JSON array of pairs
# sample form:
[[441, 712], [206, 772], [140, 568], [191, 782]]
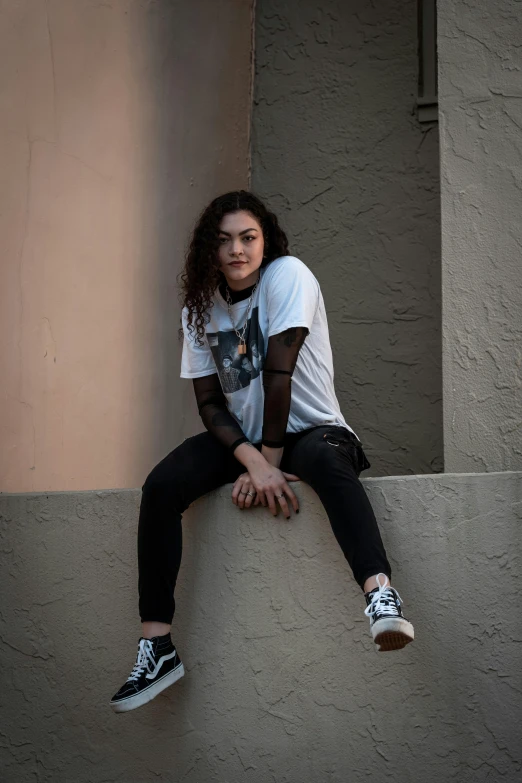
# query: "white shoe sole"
[[392, 633], [132, 702]]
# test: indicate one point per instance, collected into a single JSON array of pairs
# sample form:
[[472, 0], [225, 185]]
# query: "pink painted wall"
[[118, 123]]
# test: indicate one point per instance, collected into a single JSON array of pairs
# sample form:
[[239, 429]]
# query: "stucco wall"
[[283, 682], [119, 121], [338, 152], [480, 100]]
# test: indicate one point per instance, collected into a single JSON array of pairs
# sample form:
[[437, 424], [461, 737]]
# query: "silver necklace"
[[241, 348]]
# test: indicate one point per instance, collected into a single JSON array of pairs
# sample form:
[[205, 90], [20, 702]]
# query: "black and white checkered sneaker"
[[157, 666], [390, 630]]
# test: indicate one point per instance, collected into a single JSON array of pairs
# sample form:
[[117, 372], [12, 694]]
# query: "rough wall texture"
[[480, 100], [119, 120], [283, 683], [339, 154]]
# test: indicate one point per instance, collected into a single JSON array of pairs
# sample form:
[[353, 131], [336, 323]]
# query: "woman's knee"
[[324, 456], [175, 475], [166, 478]]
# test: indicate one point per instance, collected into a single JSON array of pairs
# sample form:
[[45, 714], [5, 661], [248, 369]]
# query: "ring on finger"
[[280, 496], [250, 493]]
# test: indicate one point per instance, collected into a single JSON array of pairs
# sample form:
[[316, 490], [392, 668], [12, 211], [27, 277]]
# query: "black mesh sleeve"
[[212, 407], [281, 358]]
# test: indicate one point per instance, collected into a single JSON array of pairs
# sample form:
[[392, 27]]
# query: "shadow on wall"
[[340, 153]]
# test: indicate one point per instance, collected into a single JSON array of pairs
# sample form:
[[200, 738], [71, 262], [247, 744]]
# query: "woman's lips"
[[237, 263]]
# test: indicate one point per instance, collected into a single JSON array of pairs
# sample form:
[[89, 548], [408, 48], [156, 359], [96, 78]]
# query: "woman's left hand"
[[242, 486]]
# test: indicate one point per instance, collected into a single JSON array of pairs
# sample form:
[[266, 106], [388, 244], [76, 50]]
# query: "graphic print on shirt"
[[238, 370]]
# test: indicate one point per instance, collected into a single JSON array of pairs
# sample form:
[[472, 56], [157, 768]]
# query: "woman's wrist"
[[247, 454]]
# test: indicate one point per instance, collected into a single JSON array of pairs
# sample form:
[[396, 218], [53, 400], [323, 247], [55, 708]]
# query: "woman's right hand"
[[269, 482]]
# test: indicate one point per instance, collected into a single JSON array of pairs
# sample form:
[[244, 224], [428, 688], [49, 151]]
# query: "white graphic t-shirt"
[[288, 295]]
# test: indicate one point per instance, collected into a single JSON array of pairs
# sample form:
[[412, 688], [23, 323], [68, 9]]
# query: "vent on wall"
[[427, 109]]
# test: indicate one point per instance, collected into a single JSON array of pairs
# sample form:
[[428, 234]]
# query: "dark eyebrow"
[[241, 232]]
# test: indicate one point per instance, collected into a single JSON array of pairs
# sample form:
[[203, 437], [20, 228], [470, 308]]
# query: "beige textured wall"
[[118, 122], [480, 101], [283, 682]]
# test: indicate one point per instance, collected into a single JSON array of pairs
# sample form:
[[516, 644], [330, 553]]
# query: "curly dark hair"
[[201, 274]]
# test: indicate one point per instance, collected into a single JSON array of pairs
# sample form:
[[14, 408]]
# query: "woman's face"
[[241, 249]]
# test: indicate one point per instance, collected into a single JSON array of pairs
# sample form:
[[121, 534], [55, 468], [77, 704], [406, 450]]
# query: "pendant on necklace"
[[241, 348]]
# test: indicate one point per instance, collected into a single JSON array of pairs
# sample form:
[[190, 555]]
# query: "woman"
[[244, 296]]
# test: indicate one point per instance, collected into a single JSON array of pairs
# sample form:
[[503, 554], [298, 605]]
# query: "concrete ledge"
[[283, 682]]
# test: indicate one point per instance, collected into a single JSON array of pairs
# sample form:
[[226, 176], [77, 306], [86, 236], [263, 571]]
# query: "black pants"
[[328, 458]]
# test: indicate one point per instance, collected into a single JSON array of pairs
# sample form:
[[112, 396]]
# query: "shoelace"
[[383, 601], [142, 661]]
